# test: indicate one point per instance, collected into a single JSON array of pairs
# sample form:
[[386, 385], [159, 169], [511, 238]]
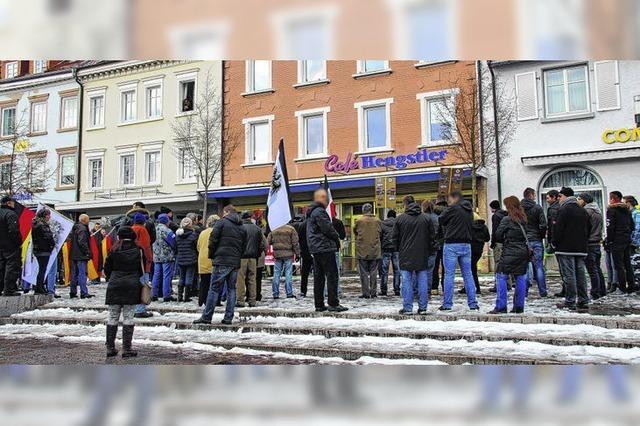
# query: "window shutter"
[[607, 85], [526, 96]]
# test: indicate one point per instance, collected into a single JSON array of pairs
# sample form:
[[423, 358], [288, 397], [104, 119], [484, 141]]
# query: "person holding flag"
[[80, 255], [43, 244], [10, 244]]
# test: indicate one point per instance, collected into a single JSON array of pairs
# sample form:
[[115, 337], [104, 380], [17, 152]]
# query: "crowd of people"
[[223, 258]]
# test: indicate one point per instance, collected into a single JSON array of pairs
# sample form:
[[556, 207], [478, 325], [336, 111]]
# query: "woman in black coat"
[[187, 258], [123, 269], [43, 244], [514, 259]]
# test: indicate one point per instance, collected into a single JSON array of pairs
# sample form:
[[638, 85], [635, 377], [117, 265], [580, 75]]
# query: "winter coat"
[[285, 242], [480, 236], [338, 225], [10, 238], [165, 245], [552, 216], [255, 240], [368, 232], [387, 235], [300, 225], [260, 263], [42, 237], [572, 229], [515, 252], [123, 269], [186, 247], [322, 237], [620, 226], [439, 235], [80, 245], [595, 223], [143, 240], [635, 215], [457, 222], [413, 238], [205, 266], [228, 241], [151, 228], [536, 226], [496, 218]]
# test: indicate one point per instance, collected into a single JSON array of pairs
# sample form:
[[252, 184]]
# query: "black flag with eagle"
[[279, 207]]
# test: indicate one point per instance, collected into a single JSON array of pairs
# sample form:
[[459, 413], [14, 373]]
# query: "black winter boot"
[[180, 293], [112, 331], [187, 293], [127, 337]]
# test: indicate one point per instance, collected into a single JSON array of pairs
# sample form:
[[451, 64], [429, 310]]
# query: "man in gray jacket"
[[536, 230], [594, 252]]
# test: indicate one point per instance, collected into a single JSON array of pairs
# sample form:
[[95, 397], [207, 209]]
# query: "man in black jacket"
[[457, 222], [80, 255], [571, 241], [390, 255], [323, 242], [620, 227], [536, 228], [227, 245], [412, 237], [10, 243], [300, 225], [247, 272]]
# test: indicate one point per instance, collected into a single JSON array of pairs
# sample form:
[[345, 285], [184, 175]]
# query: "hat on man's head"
[[164, 218], [126, 233], [246, 215], [6, 199], [139, 218], [587, 198]]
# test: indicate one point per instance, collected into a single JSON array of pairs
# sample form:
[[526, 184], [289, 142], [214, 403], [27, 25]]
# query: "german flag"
[[66, 261], [106, 247], [93, 266], [25, 219]]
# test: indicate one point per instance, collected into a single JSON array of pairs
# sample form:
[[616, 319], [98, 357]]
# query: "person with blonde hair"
[[514, 257]]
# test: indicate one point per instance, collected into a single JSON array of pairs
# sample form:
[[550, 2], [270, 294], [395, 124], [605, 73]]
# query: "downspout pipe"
[[80, 122], [495, 123], [480, 105]]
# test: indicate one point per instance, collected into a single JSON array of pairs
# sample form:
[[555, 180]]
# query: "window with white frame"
[[95, 173], [38, 117], [566, 91], [128, 108], [186, 167], [67, 169], [8, 121], [5, 176], [127, 169], [69, 112], [153, 101], [258, 140], [37, 171], [374, 125], [152, 167], [436, 109], [11, 70], [187, 95], [96, 111], [310, 71], [258, 76], [372, 66], [312, 133], [39, 66]]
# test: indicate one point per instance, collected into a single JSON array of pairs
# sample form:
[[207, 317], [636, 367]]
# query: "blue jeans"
[[537, 265], [458, 254], [394, 259], [162, 272], [410, 281], [518, 295], [187, 273], [79, 277], [280, 266], [221, 278], [51, 278]]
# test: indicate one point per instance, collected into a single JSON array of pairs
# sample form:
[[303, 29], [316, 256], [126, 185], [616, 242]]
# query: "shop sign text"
[[355, 162], [611, 136]]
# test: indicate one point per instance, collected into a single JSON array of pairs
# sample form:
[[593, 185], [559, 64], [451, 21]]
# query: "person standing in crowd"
[[368, 231], [80, 255], [457, 222], [634, 208], [323, 241], [143, 240], [428, 209], [97, 235], [300, 225], [497, 214], [286, 247], [205, 265], [187, 256], [412, 237], [124, 271], [437, 277], [553, 204], [338, 225], [390, 255], [571, 241], [227, 244], [260, 267], [620, 227], [536, 230], [164, 250], [247, 273], [594, 253], [43, 244], [480, 236], [171, 224], [139, 207], [10, 245], [514, 257]]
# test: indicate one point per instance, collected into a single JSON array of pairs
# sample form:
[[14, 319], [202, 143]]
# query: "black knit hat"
[[567, 192], [126, 233], [587, 198]]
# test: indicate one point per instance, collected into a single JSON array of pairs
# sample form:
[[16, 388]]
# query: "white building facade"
[[576, 127]]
